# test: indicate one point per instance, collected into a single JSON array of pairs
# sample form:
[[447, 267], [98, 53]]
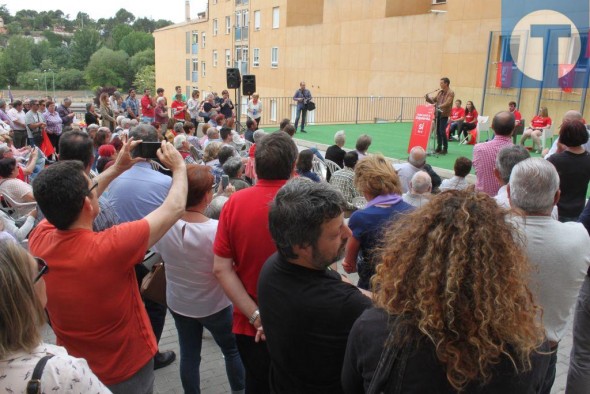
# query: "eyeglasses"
[[92, 188], [43, 269]]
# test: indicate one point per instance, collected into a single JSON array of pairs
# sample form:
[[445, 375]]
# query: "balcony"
[[241, 33]]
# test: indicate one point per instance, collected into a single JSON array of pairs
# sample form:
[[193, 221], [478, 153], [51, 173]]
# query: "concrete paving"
[[214, 378]]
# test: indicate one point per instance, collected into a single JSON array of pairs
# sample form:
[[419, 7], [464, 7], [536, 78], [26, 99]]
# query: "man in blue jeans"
[[444, 102], [302, 96]]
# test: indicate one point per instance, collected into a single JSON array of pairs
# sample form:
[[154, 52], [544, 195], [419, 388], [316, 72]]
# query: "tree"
[[14, 28], [107, 67], [144, 24], [39, 52], [69, 79], [141, 59], [124, 16], [5, 14], [160, 23], [54, 40], [59, 56], [84, 43], [145, 79], [119, 32], [135, 42], [30, 80], [16, 58]]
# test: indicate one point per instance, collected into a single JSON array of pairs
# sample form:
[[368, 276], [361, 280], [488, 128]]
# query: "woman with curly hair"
[[454, 313], [378, 182]]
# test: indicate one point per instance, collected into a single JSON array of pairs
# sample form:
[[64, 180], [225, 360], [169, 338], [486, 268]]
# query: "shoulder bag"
[[153, 285], [34, 385]]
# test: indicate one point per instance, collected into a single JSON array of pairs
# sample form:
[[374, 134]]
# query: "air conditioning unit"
[[439, 1]]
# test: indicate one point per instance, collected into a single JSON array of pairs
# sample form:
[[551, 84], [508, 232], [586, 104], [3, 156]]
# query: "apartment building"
[[374, 48]]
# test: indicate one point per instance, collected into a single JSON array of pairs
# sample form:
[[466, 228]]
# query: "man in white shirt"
[[420, 188], [17, 116], [558, 251], [507, 158]]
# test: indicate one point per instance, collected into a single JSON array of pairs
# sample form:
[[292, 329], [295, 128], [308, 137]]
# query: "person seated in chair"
[[457, 118], [535, 129], [470, 122]]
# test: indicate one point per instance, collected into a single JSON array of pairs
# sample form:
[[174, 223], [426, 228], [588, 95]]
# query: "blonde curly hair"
[[454, 272]]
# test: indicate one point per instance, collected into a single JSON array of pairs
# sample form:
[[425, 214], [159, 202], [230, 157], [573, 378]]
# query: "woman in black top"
[[459, 313], [91, 117], [573, 167]]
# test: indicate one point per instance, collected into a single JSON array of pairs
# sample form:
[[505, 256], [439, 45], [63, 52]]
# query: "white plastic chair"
[[19, 208], [547, 133], [333, 167], [319, 167], [483, 124]]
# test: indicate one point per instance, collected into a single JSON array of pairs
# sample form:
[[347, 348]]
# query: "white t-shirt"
[[192, 289], [62, 373], [18, 116], [254, 109]]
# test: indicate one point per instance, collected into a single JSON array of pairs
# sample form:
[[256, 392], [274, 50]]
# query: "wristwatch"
[[254, 316]]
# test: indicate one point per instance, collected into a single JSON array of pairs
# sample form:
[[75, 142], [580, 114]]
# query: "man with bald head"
[[557, 147], [485, 153], [416, 162], [420, 188]]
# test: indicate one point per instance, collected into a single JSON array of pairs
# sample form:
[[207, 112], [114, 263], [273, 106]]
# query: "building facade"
[[368, 48]]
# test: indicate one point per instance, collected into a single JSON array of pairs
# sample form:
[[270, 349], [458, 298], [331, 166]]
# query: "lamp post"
[[52, 82], [45, 75]]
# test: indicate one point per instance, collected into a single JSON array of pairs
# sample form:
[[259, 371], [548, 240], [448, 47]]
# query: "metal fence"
[[338, 110]]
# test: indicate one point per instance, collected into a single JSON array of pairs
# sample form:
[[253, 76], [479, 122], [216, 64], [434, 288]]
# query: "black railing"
[[340, 109]]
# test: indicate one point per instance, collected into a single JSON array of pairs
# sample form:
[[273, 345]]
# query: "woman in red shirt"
[[470, 121], [535, 129]]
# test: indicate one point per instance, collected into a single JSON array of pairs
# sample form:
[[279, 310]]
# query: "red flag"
[[566, 77], [46, 146], [504, 74]]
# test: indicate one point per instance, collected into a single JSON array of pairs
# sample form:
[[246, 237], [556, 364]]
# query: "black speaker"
[[248, 85], [233, 78]]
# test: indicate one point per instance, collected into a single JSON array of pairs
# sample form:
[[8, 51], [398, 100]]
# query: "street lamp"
[[45, 75]]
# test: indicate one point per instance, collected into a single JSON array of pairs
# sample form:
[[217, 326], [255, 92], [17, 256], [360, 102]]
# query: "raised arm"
[[173, 206]]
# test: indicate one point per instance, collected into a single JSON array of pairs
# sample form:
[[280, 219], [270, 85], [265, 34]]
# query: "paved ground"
[[214, 379]]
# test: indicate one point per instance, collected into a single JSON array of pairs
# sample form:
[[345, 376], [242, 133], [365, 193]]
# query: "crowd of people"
[[462, 288]]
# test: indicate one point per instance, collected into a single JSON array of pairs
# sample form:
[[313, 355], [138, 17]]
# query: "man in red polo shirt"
[[148, 107], [242, 245], [93, 297], [515, 112]]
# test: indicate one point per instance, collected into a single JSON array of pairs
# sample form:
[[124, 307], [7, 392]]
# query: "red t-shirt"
[[517, 115], [471, 117], [457, 113], [540, 122], [243, 236], [21, 175], [147, 107], [93, 298], [178, 105]]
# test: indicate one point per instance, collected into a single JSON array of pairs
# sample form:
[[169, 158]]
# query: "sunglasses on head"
[[43, 269]]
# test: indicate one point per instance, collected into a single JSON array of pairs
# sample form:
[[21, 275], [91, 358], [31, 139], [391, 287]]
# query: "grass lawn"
[[390, 139]]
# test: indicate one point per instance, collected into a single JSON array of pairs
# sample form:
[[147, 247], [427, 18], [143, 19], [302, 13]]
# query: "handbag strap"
[[34, 385], [388, 368]]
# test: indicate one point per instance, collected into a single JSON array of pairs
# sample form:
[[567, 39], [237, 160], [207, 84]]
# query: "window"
[[215, 58], [227, 24], [203, 40], [274, 57], [215, 29], [203, 70], [214, 1], [273, 110], [275, 18], [188, 42], [227, 58], [195, 65], [256, 57], [188, 69], [195, 37], [256, 20]]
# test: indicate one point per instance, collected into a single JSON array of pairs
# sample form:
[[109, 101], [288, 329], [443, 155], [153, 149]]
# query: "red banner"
[[422, 125], [504, 74], [566, 77]]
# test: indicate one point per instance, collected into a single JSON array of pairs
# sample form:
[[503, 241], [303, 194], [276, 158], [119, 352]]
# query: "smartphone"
[[224, 181], [148, 150]]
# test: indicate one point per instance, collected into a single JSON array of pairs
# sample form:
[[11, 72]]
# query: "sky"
[[172, 10]]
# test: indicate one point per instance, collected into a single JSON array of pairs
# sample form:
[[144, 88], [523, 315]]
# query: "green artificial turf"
[[390, 139]]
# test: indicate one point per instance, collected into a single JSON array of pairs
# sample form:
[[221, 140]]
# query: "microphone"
[[434, 91]]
